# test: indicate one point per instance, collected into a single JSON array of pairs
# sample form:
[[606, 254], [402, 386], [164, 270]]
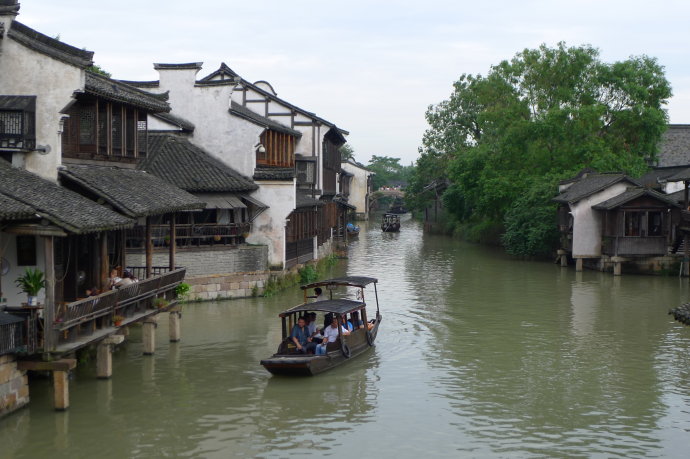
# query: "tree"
[[346, 152], [542, 116], [387, 170]]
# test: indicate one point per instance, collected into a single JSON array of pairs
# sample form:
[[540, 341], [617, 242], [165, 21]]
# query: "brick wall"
[[14, 385], [236, 285], [210, 261]]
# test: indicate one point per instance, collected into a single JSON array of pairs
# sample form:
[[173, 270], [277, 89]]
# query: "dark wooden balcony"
[[627, 246], [88, 320], [191, 235]]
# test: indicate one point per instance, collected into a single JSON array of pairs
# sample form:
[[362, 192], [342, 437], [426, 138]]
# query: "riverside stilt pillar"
[[149, 335], [563, 255], [104, 356], [175, 331], [60, 369], [578, 264], [61, 390]]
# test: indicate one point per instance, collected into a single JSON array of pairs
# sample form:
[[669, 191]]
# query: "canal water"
[[478, 355]]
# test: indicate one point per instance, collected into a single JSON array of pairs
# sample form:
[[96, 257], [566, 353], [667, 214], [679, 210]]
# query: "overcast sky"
[[371, 67]]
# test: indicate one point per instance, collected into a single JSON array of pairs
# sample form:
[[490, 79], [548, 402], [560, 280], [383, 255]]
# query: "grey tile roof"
[[182, 123], [120, 92], [63, 207], [49, 46], [245, 113], [658, 175], [634, 193], [132, 192], [27, 103], [591, 184], [306, 201], [681, 175], [674, 148], [11, 209], [274, 173], [178, 161]]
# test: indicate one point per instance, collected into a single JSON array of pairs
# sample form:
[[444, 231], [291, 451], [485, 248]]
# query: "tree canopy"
[[387, 170], [505, 139]]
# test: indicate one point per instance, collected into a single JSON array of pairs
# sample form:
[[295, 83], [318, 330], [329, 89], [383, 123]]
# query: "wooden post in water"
[[174, 324], [148, 333], [61, 388]]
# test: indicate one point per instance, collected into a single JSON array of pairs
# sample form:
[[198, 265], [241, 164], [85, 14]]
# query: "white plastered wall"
[[587, 222], [269, 227], [358, 187], [24, 72], [8, 250]]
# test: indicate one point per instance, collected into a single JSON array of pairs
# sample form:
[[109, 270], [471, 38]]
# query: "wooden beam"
[[41, 365], [49, 307], [171, 241], [104, 263], [149, 248]]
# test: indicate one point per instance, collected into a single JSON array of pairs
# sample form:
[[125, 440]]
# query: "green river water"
[[478, 355]]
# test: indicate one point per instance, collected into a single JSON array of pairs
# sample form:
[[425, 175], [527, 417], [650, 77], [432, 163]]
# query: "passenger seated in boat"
[[330, 333], [347, 324], [300, 336], [356, 321], [314, 332]]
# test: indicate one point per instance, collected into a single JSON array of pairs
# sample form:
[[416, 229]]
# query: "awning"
[[256, 206], [220, 201]]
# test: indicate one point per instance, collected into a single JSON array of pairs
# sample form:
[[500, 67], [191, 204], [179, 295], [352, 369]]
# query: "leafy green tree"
[[95, 68], [508, 137], [346, 152], [387, 170]]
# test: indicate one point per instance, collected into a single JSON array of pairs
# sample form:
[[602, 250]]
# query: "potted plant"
[[31, 282], [117, 320], [160, 303], [182, 291]]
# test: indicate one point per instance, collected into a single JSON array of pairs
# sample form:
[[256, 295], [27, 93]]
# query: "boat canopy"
[[349, 281], [340, 306]]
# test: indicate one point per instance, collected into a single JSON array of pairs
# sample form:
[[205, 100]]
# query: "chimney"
[[172, 76]]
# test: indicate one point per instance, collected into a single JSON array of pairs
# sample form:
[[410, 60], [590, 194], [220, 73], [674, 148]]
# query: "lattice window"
[[130, 132], [280, 149], [141, 134], [11, 123], [87, 125], [103, 128], [117, 130]]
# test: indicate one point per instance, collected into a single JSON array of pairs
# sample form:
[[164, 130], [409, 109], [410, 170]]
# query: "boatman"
[[300, 336]]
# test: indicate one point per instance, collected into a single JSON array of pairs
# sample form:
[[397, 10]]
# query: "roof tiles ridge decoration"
[[121, 92], [141, 84], [274, 173], [183, 66], [50, 46], [574, 193], [224, 69]]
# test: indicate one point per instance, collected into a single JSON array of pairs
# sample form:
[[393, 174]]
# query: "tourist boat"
[[288, 361], [390, 223]]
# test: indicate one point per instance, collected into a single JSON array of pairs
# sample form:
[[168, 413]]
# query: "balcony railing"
[[190, 235], [633, 246], [81, 322], [11, 334]]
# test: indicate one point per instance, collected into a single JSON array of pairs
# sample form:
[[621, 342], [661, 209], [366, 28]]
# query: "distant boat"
[[352, 230], [390, 223], [288, 361], [397, 207]]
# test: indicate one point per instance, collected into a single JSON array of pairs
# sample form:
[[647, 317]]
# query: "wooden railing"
[[188, 235], [85, 316], [631, 246], [11, 334]]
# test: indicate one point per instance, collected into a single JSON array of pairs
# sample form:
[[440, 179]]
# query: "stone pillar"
[[175, 332], [61, 389], [148, 335], [617, 266], [578, 264], [104, 356], [563, 255]]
